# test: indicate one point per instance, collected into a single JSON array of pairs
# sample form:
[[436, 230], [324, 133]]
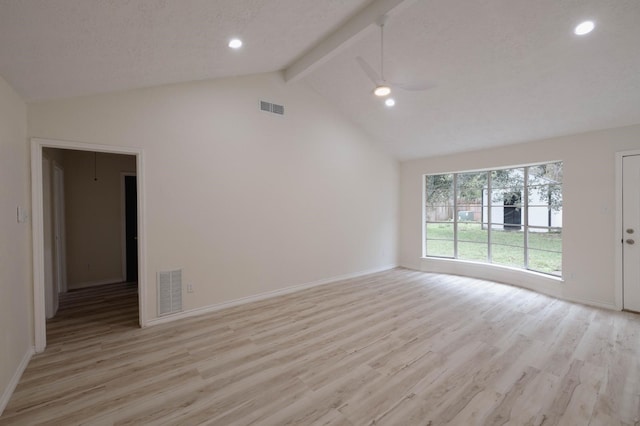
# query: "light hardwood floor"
[[395, 348]]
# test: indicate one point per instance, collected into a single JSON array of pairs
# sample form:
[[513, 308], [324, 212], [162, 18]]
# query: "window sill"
[[537, 281]]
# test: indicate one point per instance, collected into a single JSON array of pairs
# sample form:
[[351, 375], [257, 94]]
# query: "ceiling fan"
[[382, 86]]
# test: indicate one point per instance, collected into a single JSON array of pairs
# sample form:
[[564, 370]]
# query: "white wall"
[[15, 247], [589, 235], [245, 201], [94, 216]]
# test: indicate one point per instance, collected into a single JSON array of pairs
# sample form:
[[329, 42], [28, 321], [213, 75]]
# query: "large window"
[[510, 217]]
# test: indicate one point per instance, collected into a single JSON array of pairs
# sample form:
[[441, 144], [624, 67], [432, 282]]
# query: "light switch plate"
[[22, 214]]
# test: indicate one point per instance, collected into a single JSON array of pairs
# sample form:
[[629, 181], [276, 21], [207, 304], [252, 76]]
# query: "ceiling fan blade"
[[418, 87], [368, 70]]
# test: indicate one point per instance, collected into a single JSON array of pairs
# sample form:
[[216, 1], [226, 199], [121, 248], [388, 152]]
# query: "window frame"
[[528, 182]]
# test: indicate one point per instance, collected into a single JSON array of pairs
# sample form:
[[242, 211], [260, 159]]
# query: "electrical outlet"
[[189, 288]]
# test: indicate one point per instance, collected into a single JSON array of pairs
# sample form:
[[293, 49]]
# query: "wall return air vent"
[[169, 292], [269, 107]]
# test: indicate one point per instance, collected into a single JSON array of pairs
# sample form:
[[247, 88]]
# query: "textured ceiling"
[[504, 71], [62, 48]]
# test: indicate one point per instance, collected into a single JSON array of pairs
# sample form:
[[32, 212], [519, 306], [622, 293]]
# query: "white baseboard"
[[541, 283], [261, 296], [594, 303], [94, 283], [8, 391]]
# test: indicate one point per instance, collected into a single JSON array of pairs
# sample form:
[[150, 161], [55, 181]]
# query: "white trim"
[[37, 144], [123, 223], [619, 267], [50, 290], [530, 280], [588, 302], [8, 391], [39, 318], [142, 241], [94, 283], [423, 216], [543, 283], [492, 168], [263, 296], [59, 227]]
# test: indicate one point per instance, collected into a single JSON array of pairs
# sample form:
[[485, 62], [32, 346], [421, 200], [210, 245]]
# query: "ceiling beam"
[[340, 38]]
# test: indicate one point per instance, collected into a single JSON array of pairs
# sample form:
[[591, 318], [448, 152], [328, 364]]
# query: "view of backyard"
[[507, 246], [519, 209]]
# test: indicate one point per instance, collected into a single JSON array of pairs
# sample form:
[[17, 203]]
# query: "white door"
[[631, 232]]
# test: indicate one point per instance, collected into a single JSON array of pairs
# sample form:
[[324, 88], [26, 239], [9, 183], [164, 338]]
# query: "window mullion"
[[455, 215], [525, 213], [425, 200], [489, 192]]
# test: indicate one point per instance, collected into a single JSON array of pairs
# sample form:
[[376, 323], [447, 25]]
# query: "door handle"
[[630, 241]]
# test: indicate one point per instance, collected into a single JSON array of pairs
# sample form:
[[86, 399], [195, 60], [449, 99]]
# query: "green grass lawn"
[[507, 247]]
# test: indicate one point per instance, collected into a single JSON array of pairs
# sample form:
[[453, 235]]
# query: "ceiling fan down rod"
[[381, 21]]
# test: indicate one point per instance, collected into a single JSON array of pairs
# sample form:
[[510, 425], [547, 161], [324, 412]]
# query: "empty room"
[[319, 212]]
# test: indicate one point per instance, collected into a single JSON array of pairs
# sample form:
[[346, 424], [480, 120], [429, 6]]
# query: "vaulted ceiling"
[[500, 71]]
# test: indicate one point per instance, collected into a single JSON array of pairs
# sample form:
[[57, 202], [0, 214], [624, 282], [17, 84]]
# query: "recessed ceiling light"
[[235, 43], [584, 28], [390, 102], [382, 90]]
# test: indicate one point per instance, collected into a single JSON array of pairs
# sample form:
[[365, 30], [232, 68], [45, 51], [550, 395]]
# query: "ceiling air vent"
[[169, 292], [269, 107]]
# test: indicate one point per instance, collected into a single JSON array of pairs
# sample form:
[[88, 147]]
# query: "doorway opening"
[[88, 224], [129, 227], [512, 215]]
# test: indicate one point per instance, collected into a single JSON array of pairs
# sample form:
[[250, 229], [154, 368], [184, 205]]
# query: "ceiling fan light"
[[235, 43], [584, 28], [382, 91]]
